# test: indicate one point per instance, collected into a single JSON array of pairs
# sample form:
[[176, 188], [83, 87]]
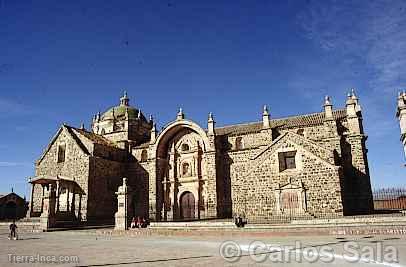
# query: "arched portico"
[[183, 154]]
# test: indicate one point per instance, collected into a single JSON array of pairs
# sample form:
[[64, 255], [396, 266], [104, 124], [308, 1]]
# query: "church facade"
[[307, 166]]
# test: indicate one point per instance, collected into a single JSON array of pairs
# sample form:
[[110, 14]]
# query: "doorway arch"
[[187, 206]]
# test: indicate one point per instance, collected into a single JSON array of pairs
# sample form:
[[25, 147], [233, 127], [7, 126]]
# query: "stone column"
[[32, 200], [67, 197], [57, 195], [47, 218], [73, 206], [152, 190], [123, 215], [170, 213], [210, 159], [80, 208], [211, 172], [42, 198]]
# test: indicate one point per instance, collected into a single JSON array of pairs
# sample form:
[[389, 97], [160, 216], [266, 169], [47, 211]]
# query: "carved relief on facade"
[[183, 179]]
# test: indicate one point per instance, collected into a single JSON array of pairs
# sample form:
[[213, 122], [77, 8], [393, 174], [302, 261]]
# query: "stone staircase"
[[217, 224]]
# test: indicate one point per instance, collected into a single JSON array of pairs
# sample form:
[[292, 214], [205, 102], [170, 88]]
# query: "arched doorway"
[[187, 206], [10, 211]]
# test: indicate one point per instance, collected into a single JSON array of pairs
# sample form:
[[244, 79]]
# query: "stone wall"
[[255, 180], [138, 179], [104, 179], [75, 167]]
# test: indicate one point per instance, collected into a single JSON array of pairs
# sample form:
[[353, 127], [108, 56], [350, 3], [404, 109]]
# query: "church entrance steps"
[[344, 226], [192, 224]]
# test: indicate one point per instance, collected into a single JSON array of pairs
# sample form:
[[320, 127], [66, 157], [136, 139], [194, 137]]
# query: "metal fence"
[[389, 199]]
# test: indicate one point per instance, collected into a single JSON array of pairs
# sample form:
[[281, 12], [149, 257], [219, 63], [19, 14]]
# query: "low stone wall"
[[22, 227], [353, 220]]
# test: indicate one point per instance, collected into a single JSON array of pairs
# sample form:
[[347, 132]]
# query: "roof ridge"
[[85, 133], [281, 118], [308, 114], [239, 124]]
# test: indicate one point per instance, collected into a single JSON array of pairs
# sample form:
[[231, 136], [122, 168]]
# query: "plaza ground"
[[95, 249]]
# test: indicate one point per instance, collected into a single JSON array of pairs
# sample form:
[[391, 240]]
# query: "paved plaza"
[[87, 248]]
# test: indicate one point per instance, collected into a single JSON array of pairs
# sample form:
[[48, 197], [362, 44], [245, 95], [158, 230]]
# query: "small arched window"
[[185, 147], [102, 131], [239, 143], [300, 132], [61, 153], [144, 155], [185, 169]]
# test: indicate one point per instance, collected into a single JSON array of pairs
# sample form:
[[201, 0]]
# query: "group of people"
[[240, 221], [138, 222]]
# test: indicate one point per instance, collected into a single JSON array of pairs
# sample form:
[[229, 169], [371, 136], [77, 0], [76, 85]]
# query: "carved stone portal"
[[291, 199]]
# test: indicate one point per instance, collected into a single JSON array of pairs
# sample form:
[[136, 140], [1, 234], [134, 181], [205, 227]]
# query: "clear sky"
[[62, 61]]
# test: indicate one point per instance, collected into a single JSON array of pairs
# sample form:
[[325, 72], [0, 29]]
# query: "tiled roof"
[[282, 123], [95, 138]]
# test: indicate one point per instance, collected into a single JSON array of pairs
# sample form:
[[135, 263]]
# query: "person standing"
[[13, 228]]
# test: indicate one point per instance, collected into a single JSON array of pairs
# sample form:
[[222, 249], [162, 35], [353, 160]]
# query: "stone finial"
[[354, 117], [151, 118], [139, 114], [401, 112], [210, 124], [350, 100], [327, 100], [180, 115], [328, 108], [124, 100], [356, 100], [265, 110], [353, 93], [82, 126], [266, 124], [153, 134], [401, 100], [98, 116], [210, 119]]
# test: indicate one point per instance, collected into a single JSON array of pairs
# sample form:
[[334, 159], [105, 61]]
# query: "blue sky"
[[62, 61]]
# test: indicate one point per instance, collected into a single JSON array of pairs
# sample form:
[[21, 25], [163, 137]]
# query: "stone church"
[[310, 165]]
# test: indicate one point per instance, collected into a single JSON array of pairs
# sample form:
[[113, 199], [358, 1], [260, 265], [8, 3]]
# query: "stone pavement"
[[93, 249]]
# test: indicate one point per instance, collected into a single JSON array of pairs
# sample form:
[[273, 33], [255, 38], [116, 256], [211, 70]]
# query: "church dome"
[[119, 112]]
